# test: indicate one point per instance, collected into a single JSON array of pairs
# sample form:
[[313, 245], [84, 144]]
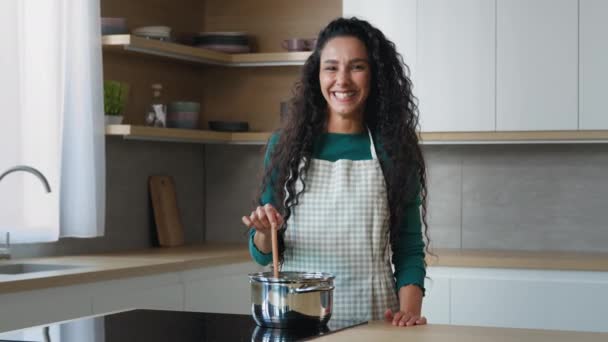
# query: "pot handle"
[[313, 288]]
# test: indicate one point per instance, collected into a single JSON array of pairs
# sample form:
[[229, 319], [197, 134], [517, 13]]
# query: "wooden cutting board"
[[166, 213]]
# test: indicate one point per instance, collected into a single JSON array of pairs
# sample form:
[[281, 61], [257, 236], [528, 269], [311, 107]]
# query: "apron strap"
[[372, 147]]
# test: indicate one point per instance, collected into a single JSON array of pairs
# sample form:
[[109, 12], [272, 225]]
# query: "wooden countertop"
[[380, 331], [565, 261], [103, 267], [150, 261]]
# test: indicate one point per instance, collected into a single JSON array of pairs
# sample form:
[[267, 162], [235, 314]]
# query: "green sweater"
[[408, 256]]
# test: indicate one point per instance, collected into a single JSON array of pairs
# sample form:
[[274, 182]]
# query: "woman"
[[345, 177]]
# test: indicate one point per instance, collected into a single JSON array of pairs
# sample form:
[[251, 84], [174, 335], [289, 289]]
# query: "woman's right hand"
[[262, 218]]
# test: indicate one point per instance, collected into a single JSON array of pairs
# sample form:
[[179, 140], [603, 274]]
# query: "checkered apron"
[[340, 226]]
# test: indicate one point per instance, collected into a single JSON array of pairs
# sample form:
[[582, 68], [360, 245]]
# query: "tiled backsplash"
[[517, 197], [128, 216]]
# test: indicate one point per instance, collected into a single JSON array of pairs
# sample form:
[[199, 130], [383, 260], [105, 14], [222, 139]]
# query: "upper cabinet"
[[537, 65], [593, 110], [395, 18], [456, 63]]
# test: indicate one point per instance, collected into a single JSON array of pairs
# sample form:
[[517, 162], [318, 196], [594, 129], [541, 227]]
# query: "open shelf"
[[187, 135], [127, 42], [454, 138]]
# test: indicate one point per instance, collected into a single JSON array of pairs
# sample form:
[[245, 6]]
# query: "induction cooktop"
[[159, 325]]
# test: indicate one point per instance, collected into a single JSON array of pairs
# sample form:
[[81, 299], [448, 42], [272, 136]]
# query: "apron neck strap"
[[372, 147]]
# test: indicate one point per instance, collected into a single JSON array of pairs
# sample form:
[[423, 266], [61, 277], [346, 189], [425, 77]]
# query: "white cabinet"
[[160, 292], [456, 65], [533, 299], [223, 289], [593, 114], [537, 65], [436, 301], [395, 18], [31, 308]]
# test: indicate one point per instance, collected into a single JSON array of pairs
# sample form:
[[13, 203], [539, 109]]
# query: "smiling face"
[[344, 77]]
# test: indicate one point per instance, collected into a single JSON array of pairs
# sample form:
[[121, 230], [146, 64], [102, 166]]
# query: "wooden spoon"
[[275, 249]]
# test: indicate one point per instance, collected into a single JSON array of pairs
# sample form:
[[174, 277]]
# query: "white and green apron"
[[340, 226]]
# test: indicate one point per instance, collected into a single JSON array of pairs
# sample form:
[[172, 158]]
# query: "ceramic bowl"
[[185, 120], [184, 106]]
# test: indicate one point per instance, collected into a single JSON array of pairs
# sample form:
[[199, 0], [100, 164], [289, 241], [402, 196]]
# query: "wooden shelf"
[[433, 138], [187, 135], [169, 50]]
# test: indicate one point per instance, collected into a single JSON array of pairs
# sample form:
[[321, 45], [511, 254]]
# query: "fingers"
[[400, 318], [404, 319], [262, 218], [388, 315]]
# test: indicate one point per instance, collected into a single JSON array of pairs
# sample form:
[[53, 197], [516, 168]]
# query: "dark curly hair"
[[391, 114]]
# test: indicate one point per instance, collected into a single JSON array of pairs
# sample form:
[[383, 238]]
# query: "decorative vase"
[[113, 119]]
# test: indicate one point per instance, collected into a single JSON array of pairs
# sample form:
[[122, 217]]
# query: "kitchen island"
[[379, 331], [161, 325]]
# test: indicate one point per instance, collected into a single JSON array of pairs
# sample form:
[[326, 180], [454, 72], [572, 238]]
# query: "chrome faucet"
[[5, 252]]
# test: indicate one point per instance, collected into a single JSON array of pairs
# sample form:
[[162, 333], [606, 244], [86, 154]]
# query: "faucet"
[[5, 252]]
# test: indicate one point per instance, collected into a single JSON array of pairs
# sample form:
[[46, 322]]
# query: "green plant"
[[114, 97]]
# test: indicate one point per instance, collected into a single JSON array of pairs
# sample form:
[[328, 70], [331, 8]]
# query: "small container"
[[157, 112], [183, 114]]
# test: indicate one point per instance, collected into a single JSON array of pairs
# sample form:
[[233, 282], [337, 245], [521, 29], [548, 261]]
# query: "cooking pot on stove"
[[293, 299]]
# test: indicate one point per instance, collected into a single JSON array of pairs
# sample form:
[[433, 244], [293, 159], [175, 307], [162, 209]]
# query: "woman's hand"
[[262, 219], [404, 319]]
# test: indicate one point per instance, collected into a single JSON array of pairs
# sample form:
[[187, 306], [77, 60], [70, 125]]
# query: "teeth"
[[343, 95]]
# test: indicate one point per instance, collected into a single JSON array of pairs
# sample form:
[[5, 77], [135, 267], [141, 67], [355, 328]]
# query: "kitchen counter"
[[102, 267], [381, 331], [565, 261]]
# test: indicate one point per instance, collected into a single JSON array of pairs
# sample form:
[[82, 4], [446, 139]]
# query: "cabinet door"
[[456, 65], [30, 308], [436, 301], [159, 292], [395, 18], [537, 65], [222, 289], [553, 300], [593, 112]]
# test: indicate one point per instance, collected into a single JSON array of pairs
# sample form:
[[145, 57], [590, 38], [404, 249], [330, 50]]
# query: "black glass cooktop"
[[158, 325]]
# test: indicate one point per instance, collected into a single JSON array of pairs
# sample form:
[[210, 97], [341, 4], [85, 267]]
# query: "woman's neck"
[[338, 124]]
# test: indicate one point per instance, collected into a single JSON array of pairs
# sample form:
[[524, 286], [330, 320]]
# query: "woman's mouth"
[[344, 96]]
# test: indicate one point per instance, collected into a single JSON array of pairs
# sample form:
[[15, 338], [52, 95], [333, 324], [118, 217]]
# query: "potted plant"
[[115, 98]]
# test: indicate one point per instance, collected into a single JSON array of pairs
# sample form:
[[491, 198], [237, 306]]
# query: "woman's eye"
[[330, 68], [359, 67]]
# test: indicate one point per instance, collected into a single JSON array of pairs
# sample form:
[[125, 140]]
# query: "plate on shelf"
[[229, 126]]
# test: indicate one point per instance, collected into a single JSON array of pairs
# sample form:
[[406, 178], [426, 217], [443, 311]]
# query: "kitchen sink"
[[29, 268]]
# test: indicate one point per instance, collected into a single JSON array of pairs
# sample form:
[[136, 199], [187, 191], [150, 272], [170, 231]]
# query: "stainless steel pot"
[[293, 299]]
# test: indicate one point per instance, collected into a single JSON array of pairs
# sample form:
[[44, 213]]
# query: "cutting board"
[[166, 213]]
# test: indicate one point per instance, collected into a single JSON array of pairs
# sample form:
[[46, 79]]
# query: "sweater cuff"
[[257, 255], [412, 276]]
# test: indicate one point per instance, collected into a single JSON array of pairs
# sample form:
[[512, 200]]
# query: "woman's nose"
[[343, 77]]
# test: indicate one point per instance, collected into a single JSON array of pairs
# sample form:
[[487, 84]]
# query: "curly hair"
[[391, 114]]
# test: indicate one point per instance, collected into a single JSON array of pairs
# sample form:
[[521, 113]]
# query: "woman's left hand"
[[404, 319]]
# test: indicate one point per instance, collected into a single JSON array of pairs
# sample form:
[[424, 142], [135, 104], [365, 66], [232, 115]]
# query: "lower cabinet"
[[223, 289], [160, 292], [436, 301], [30, 308], [515, 298]]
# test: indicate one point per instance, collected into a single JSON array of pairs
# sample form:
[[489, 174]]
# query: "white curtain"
[[52, 119]]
